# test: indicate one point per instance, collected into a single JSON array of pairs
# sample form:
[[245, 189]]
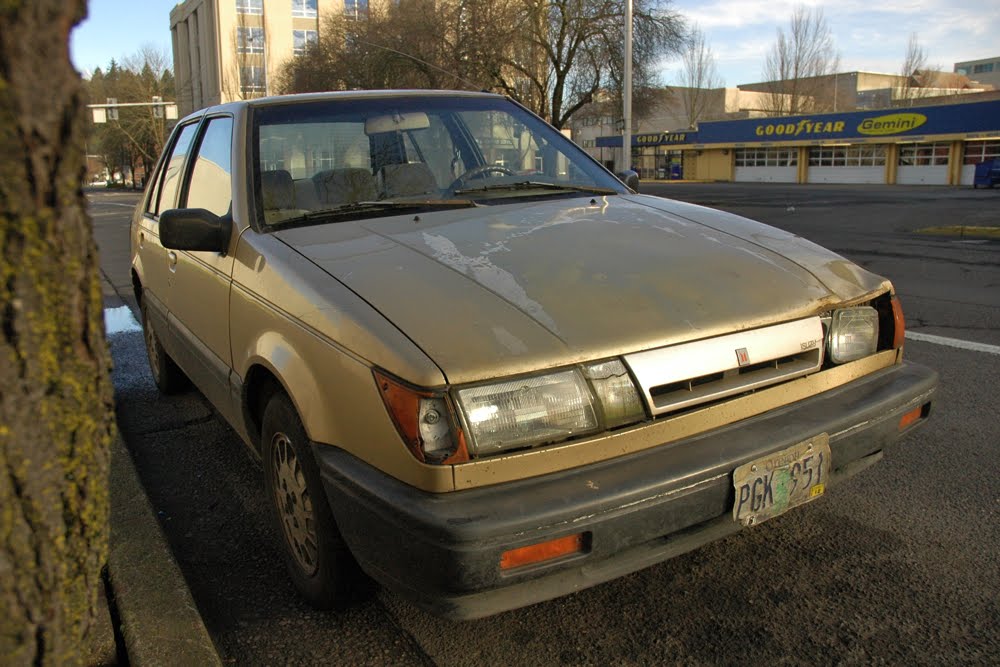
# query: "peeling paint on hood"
[[545, 283]]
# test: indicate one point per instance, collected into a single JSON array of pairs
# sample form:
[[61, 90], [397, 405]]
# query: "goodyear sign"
[[649, 139], [886, 124], [659, 139], [968, 119]]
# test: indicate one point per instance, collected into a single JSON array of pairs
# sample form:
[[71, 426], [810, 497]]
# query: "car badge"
[[742, 357]]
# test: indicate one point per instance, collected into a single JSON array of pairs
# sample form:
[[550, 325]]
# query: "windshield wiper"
[[539, 185], [369, 209]]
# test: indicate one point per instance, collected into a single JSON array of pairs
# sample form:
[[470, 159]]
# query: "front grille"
[[689, 374]]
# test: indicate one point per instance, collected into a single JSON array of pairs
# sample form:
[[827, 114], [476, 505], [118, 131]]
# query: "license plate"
[[780, 481]]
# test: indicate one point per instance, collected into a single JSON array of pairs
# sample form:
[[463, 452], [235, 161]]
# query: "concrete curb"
[[158, 618]]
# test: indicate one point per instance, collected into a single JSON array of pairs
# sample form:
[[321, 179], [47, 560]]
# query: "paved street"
[[899, 565]]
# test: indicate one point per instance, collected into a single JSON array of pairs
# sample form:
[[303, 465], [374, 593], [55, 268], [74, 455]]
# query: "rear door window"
[[172, 171], [211, 185]]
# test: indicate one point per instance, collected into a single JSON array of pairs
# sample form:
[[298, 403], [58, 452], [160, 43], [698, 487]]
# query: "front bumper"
[[443, 550]]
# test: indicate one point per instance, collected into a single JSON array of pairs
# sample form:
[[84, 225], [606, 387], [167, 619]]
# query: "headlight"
[[853, 333], [549, 408], [616, 393], [527, 411]]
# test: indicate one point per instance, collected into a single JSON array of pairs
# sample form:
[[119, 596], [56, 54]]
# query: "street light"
[[627, 93]]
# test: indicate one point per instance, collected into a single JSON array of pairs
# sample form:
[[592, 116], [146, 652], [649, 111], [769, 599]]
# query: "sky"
[[871, 35]]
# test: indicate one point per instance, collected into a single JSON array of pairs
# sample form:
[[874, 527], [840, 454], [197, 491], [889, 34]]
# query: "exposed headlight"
[[853, 333], [616, 393], [549, 408], [527, 411]]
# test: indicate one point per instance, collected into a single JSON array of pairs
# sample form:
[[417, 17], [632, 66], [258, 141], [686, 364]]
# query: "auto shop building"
[[934, 145]]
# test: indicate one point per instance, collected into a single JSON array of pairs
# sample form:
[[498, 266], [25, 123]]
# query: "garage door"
[[857, 163], [975, 152], [923, 164], [766, 165]]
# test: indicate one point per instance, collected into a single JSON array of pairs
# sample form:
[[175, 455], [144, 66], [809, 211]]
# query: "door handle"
[[172, 260]]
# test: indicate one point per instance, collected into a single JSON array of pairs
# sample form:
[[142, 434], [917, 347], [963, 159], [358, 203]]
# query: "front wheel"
[[167, 375], [317, 560]]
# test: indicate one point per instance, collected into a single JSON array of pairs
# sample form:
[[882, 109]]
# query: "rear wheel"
[[318, 561], [169, 378]]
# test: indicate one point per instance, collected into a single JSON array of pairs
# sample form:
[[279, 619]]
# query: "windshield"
[[405, 152]]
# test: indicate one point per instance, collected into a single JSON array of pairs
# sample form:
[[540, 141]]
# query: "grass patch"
[[962, 230]]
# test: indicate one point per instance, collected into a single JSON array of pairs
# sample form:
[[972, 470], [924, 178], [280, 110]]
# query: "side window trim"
[[192, 157], [165, 160]]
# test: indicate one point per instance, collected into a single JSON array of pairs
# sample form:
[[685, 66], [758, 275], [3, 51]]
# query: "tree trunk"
[[56, 418]]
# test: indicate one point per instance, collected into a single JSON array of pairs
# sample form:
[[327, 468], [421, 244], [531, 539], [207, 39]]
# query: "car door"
[[151, 255], [200, 280]]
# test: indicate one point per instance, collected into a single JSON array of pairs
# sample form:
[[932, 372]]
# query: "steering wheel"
[[477, 172]]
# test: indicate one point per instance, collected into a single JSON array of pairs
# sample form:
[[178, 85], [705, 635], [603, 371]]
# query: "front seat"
[[407, 180], [344, 186], [277, 190]]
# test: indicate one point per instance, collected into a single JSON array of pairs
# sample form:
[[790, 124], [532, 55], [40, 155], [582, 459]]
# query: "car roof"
[[337, 95]]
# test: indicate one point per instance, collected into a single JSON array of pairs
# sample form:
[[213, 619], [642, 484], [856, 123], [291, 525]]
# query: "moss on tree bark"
[[56, 409]]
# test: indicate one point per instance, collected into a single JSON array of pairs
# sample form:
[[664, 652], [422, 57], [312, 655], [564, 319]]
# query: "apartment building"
[[226, 50], [985, 70]]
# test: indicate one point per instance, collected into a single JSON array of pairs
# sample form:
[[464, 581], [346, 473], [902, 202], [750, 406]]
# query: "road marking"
[[120, 320], [113, 203], [954, 342]]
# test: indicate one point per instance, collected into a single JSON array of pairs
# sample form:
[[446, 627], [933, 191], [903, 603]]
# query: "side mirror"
[[629, 178], [194, 229]]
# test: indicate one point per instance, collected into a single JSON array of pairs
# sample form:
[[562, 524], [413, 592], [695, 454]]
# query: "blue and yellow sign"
[[649, 139], [970, 118], [659, 139]]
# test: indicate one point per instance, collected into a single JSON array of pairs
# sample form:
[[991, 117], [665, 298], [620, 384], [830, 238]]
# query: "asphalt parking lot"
[[898, 566]]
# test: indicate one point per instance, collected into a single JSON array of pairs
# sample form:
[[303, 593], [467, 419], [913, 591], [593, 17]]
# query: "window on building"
[[304, 9], [980, 151], [356, 9], [924, 155], [859, 155], [252, 79], [250, 6], [302, 40], [767, 157], [250, 40], [982, 67]]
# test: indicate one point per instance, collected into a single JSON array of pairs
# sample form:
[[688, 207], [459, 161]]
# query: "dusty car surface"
[[474, 363]]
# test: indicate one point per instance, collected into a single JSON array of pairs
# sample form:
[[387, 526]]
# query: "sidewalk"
[[158, 621]]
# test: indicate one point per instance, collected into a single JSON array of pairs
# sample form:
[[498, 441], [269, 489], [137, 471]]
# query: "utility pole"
[[627, 93]]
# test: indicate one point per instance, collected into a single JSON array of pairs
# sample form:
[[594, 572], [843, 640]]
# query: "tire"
[[316, 557], [167, 375]]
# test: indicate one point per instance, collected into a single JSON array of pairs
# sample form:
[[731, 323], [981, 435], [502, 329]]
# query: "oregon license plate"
[[780, 481]]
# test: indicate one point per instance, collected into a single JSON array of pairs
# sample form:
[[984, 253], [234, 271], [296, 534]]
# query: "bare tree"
[[410, 44], [554, 56], [56, 419], [797, 64], [697, 77], [570, 51], [918, 78]]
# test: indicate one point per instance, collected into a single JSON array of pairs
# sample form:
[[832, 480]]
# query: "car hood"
[[512, 288]]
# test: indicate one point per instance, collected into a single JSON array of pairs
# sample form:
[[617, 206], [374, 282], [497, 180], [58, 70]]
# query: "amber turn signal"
[[911, 417], [543, 551]]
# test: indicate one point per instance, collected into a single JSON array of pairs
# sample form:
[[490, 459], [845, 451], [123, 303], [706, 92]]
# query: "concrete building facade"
[[986, 70], [226, 50]]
